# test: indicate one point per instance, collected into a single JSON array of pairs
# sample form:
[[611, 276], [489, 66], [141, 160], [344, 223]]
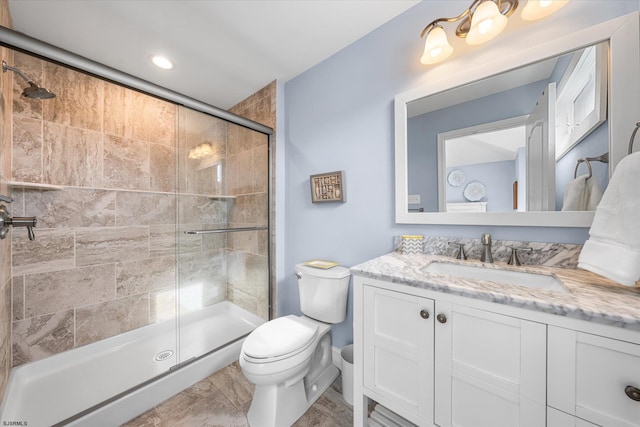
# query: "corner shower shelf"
[[34, 185], [40, 186]]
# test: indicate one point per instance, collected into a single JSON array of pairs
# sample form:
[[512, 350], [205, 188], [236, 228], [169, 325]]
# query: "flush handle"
[[424, 314], [632, 392]]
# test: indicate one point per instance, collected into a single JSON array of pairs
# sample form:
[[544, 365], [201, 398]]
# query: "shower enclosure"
[[153, 229]]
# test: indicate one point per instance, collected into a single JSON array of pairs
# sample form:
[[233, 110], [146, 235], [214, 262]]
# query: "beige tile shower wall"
[[247, 178], [6, 95], [109, 247]]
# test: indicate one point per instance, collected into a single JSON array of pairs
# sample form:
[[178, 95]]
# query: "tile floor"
[[223, 399]]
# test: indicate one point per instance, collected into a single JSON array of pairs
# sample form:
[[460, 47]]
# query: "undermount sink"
[[507, 277]]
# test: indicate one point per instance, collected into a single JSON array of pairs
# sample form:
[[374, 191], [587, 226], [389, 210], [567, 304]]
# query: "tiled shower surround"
[[6, 96], [110, 250]]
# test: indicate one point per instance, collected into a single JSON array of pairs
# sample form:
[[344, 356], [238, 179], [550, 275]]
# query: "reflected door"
[[541, 173]]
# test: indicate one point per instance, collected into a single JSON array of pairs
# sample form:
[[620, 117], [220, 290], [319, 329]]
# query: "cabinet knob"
[[424, 314], [441, 318], [632, 392]]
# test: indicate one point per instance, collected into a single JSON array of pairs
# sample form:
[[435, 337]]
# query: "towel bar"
[[575, 172], [226, 230], [633, 135], [604, 158]]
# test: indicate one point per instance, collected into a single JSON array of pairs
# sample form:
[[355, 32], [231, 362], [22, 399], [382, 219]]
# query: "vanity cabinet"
[[594, 378], [557, 418], [446, 360], [438, 363]]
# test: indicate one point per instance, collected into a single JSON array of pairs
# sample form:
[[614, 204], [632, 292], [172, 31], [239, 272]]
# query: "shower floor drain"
[[163, 355]]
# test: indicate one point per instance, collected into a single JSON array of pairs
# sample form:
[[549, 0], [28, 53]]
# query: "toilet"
[[289, 358]]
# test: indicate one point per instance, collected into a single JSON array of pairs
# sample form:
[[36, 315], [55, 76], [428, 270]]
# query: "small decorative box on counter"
[[411, 244]]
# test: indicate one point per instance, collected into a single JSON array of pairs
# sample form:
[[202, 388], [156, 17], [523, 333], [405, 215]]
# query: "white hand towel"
[[582, 194], [613, 248]]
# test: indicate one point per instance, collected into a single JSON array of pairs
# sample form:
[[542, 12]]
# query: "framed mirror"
[[497, 145]]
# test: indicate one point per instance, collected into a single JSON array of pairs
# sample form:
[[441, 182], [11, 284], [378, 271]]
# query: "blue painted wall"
[[497, 177], [595, 144], [339, 116]]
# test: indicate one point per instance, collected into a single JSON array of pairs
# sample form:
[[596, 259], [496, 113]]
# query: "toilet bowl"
[[280, 350], [289, 358]]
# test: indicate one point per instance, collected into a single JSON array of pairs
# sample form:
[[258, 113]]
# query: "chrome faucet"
[[460, 253], [486, 255], [514, 259]]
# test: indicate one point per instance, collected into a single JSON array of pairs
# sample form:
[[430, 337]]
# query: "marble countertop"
[[590, 297]]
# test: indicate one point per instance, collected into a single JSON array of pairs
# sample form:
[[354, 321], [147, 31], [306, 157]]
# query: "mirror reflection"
[[514, 142]]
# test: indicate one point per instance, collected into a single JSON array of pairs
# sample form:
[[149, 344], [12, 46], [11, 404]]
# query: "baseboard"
[[335, 357]]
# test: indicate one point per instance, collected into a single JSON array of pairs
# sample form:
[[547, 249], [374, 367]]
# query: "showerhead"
[[33, 91], [36, 92]]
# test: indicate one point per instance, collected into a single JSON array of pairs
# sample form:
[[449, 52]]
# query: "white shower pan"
[[107, 383]]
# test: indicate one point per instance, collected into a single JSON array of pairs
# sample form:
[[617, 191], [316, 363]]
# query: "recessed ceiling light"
[[162, 62]]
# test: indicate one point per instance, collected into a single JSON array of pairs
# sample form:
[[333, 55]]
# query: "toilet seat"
[[279, 339]]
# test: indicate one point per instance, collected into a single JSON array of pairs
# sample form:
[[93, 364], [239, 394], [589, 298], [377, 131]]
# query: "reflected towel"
[[582, 194], [613, 248]]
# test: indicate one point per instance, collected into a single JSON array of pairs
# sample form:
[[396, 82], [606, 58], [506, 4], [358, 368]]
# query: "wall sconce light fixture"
[[481, 22]]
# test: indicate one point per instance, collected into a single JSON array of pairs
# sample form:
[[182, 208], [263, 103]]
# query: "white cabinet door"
[[490, 369], [398, 351], [556, 418], [594, 378]]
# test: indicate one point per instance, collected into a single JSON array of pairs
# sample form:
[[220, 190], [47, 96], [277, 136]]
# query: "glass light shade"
[[486, 23], [201, 151], [538, 9], [436, 47]]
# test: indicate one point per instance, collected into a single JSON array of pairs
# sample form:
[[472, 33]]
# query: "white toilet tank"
[[323, 292]]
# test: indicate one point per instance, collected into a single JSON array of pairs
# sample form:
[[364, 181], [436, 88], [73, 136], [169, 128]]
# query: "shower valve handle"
[[17, 221]]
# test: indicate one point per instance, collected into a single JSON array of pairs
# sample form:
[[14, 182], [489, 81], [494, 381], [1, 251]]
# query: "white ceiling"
[[485, 147], [223, 50]]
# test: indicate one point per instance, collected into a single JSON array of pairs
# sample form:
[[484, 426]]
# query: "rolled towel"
[[582, 194], [613, 247]]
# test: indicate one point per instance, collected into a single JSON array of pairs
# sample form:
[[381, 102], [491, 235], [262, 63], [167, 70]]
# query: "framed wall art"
[[328, 187]]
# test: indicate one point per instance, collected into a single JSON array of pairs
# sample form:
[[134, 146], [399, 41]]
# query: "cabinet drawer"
[[591, 377]]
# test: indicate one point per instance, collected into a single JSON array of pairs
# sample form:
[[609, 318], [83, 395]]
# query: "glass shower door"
[[223, 239]]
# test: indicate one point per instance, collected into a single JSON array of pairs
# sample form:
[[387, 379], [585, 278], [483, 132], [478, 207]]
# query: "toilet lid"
[[279, 337]]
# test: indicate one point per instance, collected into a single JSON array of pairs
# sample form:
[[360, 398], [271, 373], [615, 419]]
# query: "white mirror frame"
[[623, 34]]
